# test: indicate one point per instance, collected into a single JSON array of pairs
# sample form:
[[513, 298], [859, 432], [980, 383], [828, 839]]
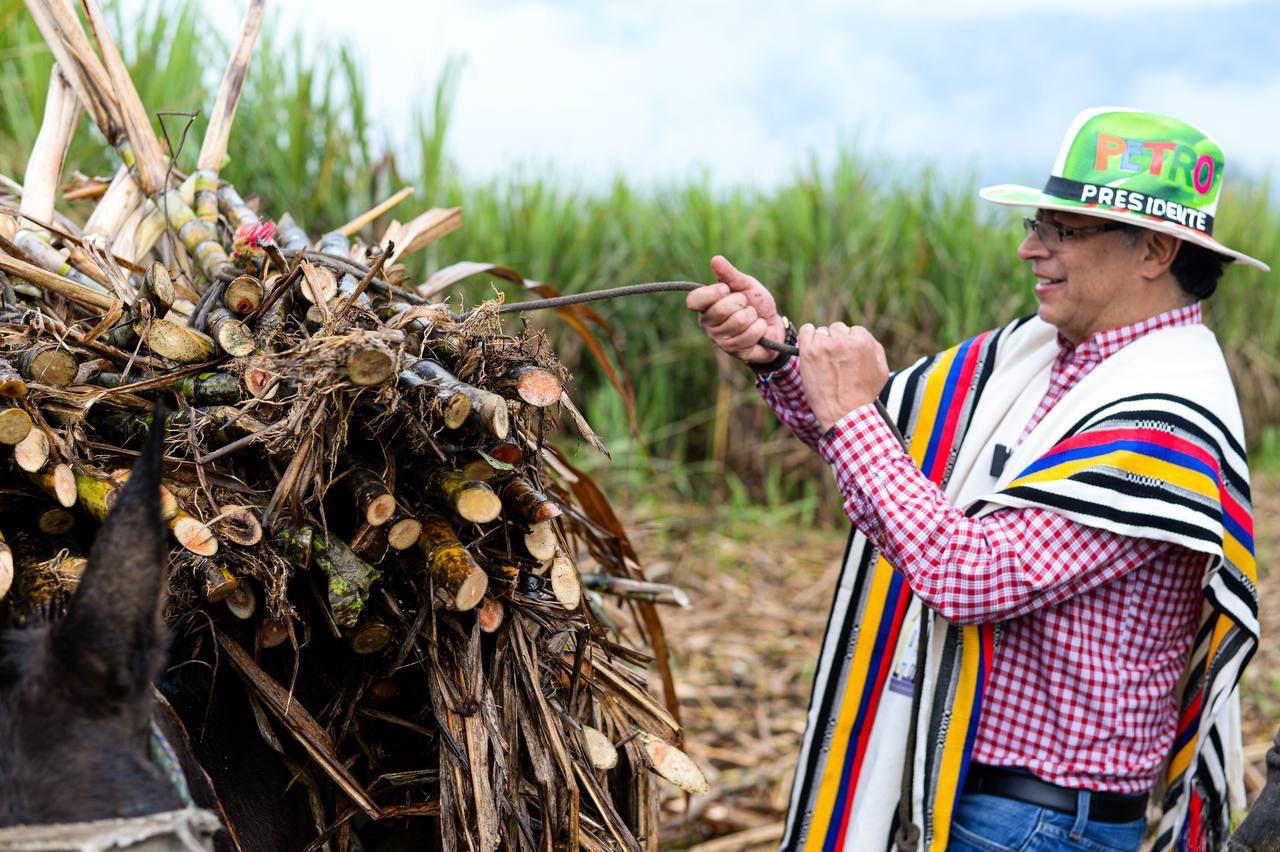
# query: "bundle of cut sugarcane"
[[365, 511]]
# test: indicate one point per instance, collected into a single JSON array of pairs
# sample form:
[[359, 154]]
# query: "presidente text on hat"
[[1146, 170]]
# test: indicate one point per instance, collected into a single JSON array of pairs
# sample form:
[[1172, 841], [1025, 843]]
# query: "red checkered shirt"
[[1096, 626]]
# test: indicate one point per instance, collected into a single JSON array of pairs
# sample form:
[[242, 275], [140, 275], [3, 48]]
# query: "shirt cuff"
[[785, 379], [858, 444]]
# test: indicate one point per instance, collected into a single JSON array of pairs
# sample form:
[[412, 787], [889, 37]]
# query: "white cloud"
[[950, 9], [749, 89]]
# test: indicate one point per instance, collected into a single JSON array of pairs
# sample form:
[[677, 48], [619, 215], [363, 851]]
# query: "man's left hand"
[[842, 368]]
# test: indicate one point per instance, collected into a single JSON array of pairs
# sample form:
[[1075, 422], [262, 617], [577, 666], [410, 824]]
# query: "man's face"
[[1085, 284]]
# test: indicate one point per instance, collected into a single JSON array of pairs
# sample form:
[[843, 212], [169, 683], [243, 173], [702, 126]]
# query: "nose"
[[1032, 247]]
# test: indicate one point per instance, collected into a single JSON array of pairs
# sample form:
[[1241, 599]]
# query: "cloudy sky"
[[747, 91]]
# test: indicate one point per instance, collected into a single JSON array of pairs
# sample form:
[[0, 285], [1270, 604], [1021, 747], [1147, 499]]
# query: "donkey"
[[76, 694], [77, 702], [1260, 831]]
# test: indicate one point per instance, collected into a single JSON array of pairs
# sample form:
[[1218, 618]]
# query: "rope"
[[188, 830], [662, 287], [620, 292]]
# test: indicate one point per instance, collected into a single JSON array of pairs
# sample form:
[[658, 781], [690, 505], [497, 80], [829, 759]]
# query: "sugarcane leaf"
[[596, 507]]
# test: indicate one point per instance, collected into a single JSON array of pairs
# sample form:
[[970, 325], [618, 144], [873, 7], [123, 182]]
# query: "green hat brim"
[[1013, 195]]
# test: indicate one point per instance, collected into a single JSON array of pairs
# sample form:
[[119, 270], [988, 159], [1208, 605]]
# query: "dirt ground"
[[745, 650]]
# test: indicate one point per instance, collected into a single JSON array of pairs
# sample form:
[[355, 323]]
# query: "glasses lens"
[[1046, 232]]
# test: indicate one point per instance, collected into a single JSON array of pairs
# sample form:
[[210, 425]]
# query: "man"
[[1049, 596]]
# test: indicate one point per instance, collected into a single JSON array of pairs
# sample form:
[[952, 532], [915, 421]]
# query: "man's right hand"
[[737, 312]]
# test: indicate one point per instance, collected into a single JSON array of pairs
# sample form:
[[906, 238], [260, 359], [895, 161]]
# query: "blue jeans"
[[986, 823]]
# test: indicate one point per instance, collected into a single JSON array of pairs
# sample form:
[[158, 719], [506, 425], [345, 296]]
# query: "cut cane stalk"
[[199, 237], [175, 342], [489, 414], [532, 384], [383, 690], [15, 424], [451, 399], [507, 452], [273, 632], [59, 482], [232, 335], [370, 367], [371, 637], [120, 200], [636, 590], [6, 568], [272, 322], [44, 167], [564, 582], [97, 494], [242, 602], [318, 284], [216, 581], [157, 287], [192, 534], [527, 503], [673, 764], [32, 452], [239, 525], [49, 365], [403, 533], [541, 541], [490, 614], [375, 503], [92, 494], [475, 466], [503, 573], [369, 542], [243, 294], [12, 385], [473, 501], [210, 389], [263, 384], [56, 522], [452, 568], [69, 568], [37, 247], [600, 749], [348, 290]]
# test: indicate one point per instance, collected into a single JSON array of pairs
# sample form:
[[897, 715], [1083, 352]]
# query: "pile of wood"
[[359, 485]]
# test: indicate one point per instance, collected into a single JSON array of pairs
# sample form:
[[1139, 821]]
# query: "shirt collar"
[[1104, 344]]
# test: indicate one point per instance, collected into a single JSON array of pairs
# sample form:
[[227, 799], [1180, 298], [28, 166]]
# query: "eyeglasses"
[[1054, 234]]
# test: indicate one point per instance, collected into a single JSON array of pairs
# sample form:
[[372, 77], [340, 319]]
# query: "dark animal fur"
[[75, 695]]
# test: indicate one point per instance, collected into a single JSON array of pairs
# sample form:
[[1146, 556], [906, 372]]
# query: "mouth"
[[1048, 285]]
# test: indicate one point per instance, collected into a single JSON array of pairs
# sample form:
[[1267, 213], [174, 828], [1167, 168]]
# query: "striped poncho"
[[1149, 444]]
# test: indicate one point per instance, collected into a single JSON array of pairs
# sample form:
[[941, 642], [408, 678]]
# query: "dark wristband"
[[790, 339]]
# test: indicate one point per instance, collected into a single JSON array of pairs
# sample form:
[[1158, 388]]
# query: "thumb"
[[727, 273]]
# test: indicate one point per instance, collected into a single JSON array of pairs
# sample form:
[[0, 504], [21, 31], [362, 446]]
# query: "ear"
[[1158, 251], [113, 638]]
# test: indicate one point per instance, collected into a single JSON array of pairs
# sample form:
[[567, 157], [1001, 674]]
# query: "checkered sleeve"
[[784, 393], [971, 570]]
